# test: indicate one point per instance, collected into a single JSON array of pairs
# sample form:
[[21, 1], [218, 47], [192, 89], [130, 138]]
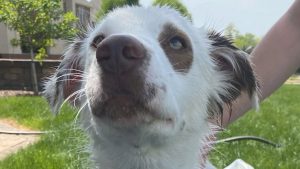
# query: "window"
[[65, 5], [83, 14]]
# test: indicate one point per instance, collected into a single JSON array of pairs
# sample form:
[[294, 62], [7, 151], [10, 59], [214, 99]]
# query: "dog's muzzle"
[[123, 63]]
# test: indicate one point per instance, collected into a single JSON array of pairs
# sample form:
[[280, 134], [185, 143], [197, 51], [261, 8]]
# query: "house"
[[85, 10], [15, 64]]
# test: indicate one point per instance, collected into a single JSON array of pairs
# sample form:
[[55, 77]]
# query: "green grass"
[[64, 148], [278, 120]]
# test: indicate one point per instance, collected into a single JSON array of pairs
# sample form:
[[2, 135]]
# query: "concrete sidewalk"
[[10, 143], [294, 80]]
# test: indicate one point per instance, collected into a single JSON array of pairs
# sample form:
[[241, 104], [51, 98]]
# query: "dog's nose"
[[120, 54]]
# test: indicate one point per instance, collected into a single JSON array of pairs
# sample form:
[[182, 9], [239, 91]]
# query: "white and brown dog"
[[147, 81]]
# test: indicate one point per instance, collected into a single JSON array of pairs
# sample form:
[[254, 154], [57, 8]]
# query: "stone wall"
[[15, 74]]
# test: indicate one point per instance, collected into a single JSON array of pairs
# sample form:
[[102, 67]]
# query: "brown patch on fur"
[[181, 59]]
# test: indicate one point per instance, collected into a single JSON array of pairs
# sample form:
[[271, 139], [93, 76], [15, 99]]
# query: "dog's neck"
[[180, 153]]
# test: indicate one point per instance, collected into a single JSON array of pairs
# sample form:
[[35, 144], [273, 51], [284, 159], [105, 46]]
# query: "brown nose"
[[120, 54]]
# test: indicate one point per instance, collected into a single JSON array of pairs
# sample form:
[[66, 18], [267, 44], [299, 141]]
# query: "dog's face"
[[150, 72]]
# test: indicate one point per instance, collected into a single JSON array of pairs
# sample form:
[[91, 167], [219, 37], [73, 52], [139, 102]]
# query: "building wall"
[[58, 48], [16, 74], [6, 35], [94, 6]]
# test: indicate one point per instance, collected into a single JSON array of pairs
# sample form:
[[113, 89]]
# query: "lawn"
[[278, 120], [64, 148]]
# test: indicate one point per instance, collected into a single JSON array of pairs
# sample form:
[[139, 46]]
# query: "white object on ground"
[[239, 164]]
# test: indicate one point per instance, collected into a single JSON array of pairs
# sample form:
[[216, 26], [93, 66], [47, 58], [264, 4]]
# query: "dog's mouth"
[[125, 110]]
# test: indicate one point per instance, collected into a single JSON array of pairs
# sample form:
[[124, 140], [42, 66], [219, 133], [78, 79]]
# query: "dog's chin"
[[123, 111]]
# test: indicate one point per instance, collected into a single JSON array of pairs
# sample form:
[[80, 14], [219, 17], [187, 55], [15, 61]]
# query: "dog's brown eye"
[[177, 43], [98, 39]]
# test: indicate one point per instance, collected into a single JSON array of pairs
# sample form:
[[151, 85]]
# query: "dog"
[[147, 83]]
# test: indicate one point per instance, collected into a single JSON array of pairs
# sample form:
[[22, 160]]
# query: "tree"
[[245, 42], [231, 31], [176, 4], [108, 5], [38, 22]]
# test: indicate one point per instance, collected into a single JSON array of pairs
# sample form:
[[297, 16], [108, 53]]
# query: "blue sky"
[[254, 16]]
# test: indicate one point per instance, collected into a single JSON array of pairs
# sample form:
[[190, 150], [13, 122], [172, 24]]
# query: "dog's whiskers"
[[76, 70], [78, 112], [77, 97], [69, 97], [70, 74], [73, 79]]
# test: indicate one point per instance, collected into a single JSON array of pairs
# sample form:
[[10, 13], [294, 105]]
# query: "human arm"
[[275, 59]]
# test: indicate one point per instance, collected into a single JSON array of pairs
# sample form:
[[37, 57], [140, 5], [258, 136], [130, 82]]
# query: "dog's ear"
[[236, 73], [65, 82]]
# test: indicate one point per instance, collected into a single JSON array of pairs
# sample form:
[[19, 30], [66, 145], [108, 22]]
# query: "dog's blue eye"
[[176, 43]]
